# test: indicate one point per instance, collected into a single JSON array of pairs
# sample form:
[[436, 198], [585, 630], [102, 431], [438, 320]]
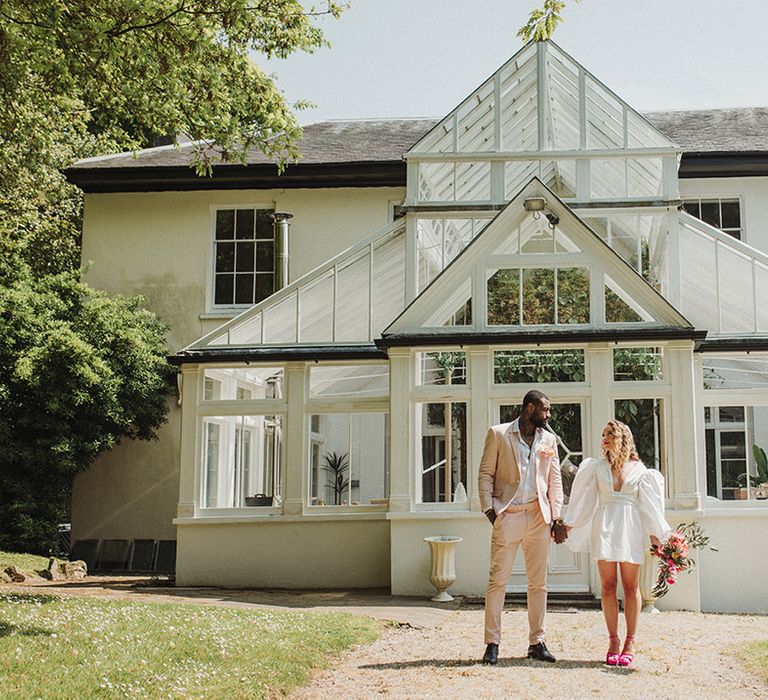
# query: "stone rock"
[[4, 578], [15, 575], [74, 570], [53, 572]]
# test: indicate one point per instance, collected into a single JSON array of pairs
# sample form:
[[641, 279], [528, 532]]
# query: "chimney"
[[282, 229]]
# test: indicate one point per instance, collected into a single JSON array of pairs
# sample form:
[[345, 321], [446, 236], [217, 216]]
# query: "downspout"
[[282, 230]]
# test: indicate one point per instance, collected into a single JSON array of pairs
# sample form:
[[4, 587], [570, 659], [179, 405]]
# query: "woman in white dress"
[[616, 503]]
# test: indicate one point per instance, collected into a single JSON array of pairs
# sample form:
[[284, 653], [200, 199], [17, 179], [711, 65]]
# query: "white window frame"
[[719, 198], [346, 405], [438, 393], [207, 409], [210, 305], [558, 263]]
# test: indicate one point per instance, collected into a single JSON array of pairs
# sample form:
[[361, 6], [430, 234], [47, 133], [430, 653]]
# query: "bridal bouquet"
[[674, 557]]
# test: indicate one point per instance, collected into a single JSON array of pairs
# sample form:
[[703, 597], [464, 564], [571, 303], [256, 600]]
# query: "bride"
[[615, 504]]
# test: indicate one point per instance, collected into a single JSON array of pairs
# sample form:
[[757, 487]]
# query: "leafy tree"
[[83, 77], [78, 371], [543, 21]]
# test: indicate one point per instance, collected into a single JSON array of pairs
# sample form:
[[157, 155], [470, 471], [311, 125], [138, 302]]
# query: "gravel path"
[[679, 655]]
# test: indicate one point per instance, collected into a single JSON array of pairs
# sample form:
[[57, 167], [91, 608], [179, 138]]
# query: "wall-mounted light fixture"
[[553, 219], [536, 205]]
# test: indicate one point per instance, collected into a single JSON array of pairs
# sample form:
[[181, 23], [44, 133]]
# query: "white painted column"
[[600, 368], [401, 431], [480, 366], [295, 438], [682, 468], [412, 183], [411, 259], [699, 428], [189, 453], [674, 291]]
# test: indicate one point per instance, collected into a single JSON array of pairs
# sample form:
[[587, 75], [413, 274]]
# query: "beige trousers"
[[518, 525]]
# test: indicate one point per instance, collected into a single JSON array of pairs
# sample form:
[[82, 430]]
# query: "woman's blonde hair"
[[624, 449]]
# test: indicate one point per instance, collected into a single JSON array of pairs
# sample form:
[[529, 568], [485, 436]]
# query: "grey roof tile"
[[374, 140], [715, 130], [353, 141]]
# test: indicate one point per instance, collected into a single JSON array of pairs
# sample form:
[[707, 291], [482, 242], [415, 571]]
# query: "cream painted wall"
[[735, 578], [754, 197], [285, 554], [159, 244], [133, 490], [411, 563]]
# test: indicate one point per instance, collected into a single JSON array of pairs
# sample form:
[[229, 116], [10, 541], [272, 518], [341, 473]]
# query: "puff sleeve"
[[650, 503], [582, 506]]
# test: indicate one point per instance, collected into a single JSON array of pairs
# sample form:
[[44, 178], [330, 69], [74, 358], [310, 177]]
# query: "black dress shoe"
[[540, 652], [491, 655]]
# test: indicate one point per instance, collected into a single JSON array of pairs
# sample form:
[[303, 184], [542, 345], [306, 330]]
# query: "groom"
[[521, 493]]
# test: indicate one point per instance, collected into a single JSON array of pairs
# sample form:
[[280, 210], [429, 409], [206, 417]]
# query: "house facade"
[[346, 332]]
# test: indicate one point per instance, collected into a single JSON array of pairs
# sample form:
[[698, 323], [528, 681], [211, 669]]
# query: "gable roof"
[[541, 100], [360, 153], [495, 246]]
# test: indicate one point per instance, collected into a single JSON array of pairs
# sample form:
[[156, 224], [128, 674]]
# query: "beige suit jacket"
[[499, 475]]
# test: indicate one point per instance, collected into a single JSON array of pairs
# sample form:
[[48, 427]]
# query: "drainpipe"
[[282, 229]]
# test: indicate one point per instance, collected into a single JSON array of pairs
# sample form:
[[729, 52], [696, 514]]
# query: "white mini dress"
[[615, 525]]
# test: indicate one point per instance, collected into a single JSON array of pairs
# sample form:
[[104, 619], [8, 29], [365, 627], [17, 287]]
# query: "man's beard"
[[539, 422]]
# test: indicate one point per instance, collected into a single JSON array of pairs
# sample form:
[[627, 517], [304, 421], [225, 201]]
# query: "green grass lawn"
[[73, 647], [755, 658], [23, 562]]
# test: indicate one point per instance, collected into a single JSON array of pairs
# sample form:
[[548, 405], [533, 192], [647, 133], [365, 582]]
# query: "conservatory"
[[330, 428]]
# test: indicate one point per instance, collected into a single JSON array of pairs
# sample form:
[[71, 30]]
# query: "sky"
[[420, 58]]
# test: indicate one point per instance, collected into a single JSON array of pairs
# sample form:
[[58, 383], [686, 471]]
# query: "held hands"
[[655, 541], [559, 531]]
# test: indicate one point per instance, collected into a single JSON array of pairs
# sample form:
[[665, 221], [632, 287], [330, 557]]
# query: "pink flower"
[[546, 452]]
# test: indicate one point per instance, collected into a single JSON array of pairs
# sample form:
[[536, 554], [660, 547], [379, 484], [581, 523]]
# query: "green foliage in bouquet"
[[674, 556]]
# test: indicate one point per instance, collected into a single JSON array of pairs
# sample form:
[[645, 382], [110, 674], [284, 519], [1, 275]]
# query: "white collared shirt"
[[526, 491]]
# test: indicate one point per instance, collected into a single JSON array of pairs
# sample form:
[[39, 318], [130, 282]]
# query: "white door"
[[567, 571]]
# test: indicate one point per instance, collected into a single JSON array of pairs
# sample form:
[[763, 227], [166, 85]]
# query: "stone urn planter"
[[443, 574]]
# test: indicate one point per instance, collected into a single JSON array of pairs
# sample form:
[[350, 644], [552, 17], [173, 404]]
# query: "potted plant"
[[336, 468], [761, 462], [742, 493]]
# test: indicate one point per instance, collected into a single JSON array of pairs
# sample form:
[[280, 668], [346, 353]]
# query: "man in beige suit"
[[521, 493]]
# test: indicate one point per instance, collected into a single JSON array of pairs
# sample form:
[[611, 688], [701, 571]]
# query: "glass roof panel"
[[249, 331], [605, 117], [353, 283], [280, 321], [518, 87], [761, 294], [388, 283], [475, 120], [456, 309], [316, 310], [518, 90], [737, 310], [620, 307], [724, 281], [698, 278], [331, 304], [562, 100]]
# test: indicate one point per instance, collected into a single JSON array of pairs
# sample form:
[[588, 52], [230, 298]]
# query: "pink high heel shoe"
[[626, 658], [612, 658]]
